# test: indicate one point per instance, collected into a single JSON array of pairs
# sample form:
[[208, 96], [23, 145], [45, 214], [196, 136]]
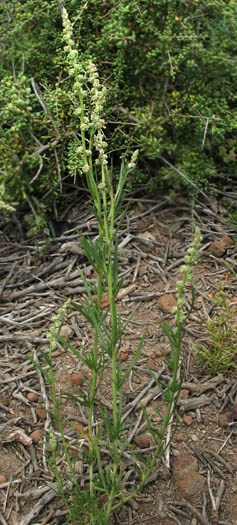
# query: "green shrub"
[[170, 71]]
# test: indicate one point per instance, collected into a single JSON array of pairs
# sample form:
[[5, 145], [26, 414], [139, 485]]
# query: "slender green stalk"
[[175, 336], [52, 440]]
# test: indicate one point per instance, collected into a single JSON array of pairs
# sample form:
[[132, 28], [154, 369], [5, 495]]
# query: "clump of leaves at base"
[[220, 352]]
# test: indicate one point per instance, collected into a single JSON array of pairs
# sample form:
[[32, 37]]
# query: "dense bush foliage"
[[170, 69]]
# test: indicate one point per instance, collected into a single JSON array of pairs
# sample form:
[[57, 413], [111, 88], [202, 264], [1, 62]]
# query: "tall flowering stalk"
[[186, 270], [103, 255], [175, 336]]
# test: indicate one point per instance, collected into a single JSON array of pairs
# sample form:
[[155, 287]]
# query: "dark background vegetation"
[[171, 72]]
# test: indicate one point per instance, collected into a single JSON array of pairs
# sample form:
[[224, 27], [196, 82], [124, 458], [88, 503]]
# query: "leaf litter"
[[195, 482]]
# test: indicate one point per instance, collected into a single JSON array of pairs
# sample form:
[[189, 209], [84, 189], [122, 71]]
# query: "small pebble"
[[187, 420], [166, 303], [41, 413], [123, 354], [143, 440], [3, 478], [32, 396], [77, 378], [152, 364], [66, 332], [218, 248], [37, 435], [224, 419], [184, 394]]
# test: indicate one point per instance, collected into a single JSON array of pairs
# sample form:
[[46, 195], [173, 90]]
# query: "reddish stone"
[[143, 440], [190, 486], [152, 364], [227, 240], [184, 393], [224, 419], [187, 420], [37, 435], [218, 248], [41, 413], [3, 478], [77, 378], [166, 303], [33, 397]]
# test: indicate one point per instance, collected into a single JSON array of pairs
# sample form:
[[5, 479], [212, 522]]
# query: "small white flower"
[[102, 186], [52, 439]]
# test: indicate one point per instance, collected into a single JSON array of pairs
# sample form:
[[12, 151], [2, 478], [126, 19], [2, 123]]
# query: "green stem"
[[109, 229]]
